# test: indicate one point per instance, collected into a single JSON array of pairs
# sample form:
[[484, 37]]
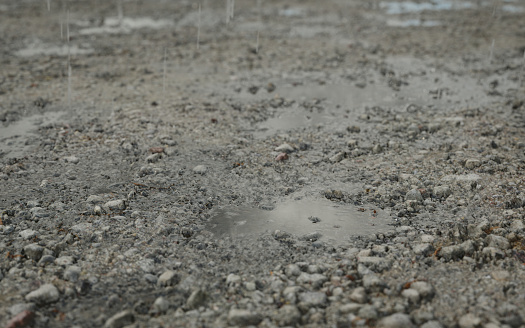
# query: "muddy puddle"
[[307, 219], [18, 137]]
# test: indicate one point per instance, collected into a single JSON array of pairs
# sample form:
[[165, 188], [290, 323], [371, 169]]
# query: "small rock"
[[34, 251], [497, 242], [168, 278], [72, 273], [281, 157], [288, 315], [352, 143], [472, 164], [337, 157], [45, 260], [120, 320], [376, 264], [285, 148], [65, 261], [292, 270], [371, 282], [414, 194], [469, 320], [47, 293], [196, 299], [200, 169], [27, 234], [412, 295], [500, 275], [313, 299], [397, 320], [424, 249], [233, 279], [442, 192], [153, 158], [161, 305], [377, 149], [115, 205], [367, 312], [350, 308], [71, 159], [95, 199], [425, 290], [353, 129], [19, 307], [239, 317], [315, 279], [453, 252], [359, 295], [434, 324]]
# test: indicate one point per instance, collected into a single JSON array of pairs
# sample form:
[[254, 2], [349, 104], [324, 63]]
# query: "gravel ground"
[[304, 164]]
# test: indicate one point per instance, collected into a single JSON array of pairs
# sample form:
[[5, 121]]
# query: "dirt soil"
[[294, 164]]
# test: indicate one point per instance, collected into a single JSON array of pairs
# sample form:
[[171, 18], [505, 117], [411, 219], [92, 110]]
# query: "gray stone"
[[95, 199], [19, 307], [45, 260], [414, 194], [72, 273], [115, 205], [376, 264], [233, 279], [497, 242], [453, 252], [359, 295], [34, 251], [337, 157], [47, 293], [425, 290], [350, 308], [469, 320], [313, 299], [288, 315], [168, 278], [121, 319], [424, 249], [196, 299], [371, 282], [285, 148], [161, 305], [27, 234], [396, 320], [315, 279], [71, 159], [239, 317], [442, 192], [472, 164], [412, 295], [367, 312], [200, 169], [65, 261], [433, 324], [292, 270], [82, 228]]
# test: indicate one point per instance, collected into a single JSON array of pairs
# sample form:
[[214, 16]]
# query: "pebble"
[[238, 317], [72, 273], [153, 158], [313, 299], [434, 324], [414, 194], [200, 169], [27, 234], [65, 261], [197, 299], [412, 295], [376, 264], [472, 163], [288, 315], [359, 295], [71, 159], [425, 290], [233, 279], [441, 192], [368, 312], [396, 320], [350, 308], [19, 307], [285, 148], [95, 199], [46, 259], [119, 320], [371, 282], [315, 279], [115, 205], [34, 251], [168, 278], [47, 293], [497, 242], [161, 305], [423, 249], [469, 320], [292, 270]]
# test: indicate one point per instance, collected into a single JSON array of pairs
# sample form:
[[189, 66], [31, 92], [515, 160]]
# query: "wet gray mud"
[[282, 164]]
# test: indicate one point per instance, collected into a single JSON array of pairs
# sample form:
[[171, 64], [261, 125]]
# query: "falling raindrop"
[[164, 73], [199, 28]]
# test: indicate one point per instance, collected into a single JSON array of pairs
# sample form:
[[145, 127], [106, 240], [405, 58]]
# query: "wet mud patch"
[[308, 219]]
